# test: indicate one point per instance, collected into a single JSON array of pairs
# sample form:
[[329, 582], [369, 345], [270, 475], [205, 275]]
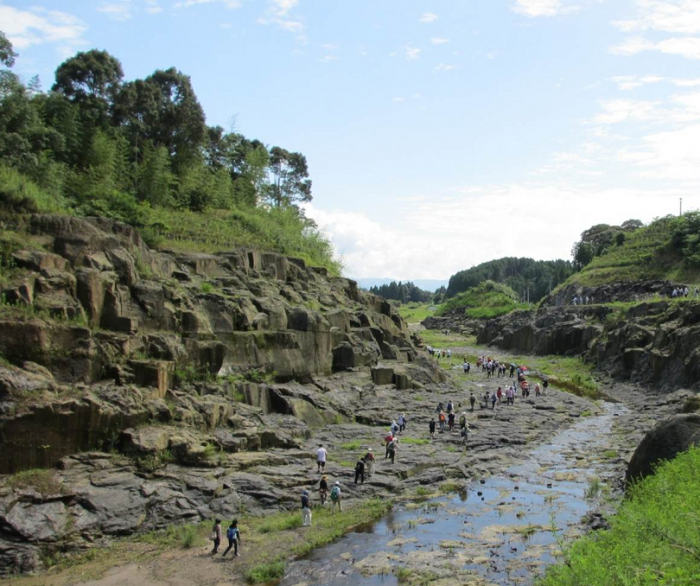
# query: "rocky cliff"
[[149, 385], [655, 343]]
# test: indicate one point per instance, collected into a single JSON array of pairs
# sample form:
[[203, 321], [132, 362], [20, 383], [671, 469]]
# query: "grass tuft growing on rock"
[[43, 481], [654, 538], [266, 572]]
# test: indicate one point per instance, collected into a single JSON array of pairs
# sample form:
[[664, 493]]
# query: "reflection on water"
[[504, 530]]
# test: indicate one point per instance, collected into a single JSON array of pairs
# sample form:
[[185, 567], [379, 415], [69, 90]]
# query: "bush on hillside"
[[487, 300]]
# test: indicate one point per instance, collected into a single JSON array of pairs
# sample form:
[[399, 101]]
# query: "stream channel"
[[499, 530]]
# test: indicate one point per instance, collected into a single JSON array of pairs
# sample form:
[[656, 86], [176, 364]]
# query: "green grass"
[[275, 229], [43, 481], [266, 572], [594, 488], [654, 539], [609, 454], [19, 193], [280, 522], [414, 441], [352, 446], [486, 300], [416, 312], [647, 253]]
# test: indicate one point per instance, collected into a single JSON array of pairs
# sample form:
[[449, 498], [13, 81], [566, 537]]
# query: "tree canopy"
[[520, 274], [403, 292], [97, 139]]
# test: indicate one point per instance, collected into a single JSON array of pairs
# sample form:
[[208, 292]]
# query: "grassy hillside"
[[283, 230], [662, 250], [654, 537], [486, 300]]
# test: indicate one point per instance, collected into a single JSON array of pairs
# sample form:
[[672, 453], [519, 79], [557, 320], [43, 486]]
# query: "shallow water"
[[505, 535]]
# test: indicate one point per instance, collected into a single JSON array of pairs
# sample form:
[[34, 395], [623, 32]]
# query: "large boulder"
[[667, 439]]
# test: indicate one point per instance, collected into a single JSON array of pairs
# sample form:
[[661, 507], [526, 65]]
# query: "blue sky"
[[439, 134]]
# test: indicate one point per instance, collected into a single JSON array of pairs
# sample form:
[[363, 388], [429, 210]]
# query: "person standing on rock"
[[360, 471], [369, 462], [393, 448], [537, 390], [336, 498], [394, 428], [465, 366], [305, 509], [216, 536], [431, 427], [463, 421], [493, 400], [472, 399], [321, 456], [464, 432], [234, 536], [442, 420], [402, 423], [545, 385], [323, 489], [387, 440], [451, 421]]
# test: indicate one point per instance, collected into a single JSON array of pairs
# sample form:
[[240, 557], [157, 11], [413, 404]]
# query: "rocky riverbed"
[[558, 439]]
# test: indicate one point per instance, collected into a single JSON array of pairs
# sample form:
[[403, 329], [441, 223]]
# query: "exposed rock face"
[[159, 387], [652, 343], [94, 303], [623, 291], [568, 331], [664, 442]]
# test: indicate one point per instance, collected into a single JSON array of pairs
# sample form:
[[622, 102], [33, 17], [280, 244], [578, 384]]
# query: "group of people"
[[683, 292], [447, 421], [233, 534], [437, 353], [493, 367]]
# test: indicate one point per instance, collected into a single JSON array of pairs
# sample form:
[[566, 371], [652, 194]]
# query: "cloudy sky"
[[439, 133]]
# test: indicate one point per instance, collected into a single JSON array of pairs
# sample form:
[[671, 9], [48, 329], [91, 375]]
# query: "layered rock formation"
[[156, 382]]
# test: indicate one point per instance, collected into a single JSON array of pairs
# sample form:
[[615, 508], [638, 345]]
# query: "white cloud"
[[671, 155], [617, 111], [420, 239], [535, 8], [428, 17], [630, 82], [227, 3], [686, 82], [439, 41], [412, 53], [688, 47], [26, 28], [120, 11], [278, 13], [398, 100], [671, 16], [152, 7], [443, 67], [328, 58]]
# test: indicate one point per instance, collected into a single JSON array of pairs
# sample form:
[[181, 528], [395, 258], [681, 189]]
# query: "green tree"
[[290, 183], [7, 52]]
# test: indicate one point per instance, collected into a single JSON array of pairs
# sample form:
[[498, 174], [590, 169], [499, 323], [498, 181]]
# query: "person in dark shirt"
[[305, 509], [360, 471]]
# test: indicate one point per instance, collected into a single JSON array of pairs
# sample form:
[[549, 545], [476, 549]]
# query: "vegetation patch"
[[653, 539], [486, 300], [414, 441], [43, 481]]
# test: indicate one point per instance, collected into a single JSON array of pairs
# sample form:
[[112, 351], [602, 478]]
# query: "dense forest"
[[140, 151], [520, 274], [403, 292]]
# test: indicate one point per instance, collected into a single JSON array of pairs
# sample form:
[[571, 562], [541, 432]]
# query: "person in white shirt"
[[321, 455]]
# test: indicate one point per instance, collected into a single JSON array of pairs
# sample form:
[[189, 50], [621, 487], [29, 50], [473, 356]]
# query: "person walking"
[[336, 498], [463, 421], [321, 456], [234, 537], [393, 448], [451, 421], [472, 400], [369, 462], [431, 427], [493, 400], [305, 509], [323, 489], [387, 440], [402, 423], [545, 386], [442, 419], [360, 471], [464, 432], [216, 536]]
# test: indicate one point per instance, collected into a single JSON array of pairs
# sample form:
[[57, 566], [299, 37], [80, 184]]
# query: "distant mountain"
[[425, 284]]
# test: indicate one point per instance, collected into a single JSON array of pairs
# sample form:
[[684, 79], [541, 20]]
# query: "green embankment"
[[282, 230], [665, 249], [486, 300], [654, 537]]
